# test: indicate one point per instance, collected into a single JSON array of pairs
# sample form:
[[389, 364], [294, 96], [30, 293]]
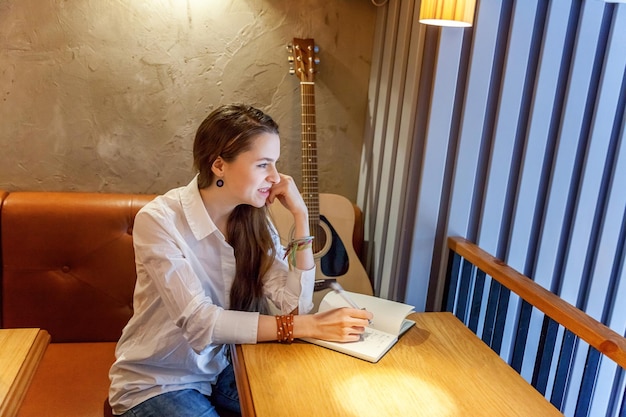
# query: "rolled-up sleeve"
[[208, 324], [289, 288], [236, 327]]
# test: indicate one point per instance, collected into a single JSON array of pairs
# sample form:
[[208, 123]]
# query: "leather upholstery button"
[[65, 269]]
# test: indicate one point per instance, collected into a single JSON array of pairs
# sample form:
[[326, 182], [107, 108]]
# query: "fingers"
[[368, 315], [363, 317], [287, 193], [344, 324], [279, 188], [353, 338]]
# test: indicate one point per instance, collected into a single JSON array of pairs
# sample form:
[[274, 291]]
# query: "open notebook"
[[388, 325]]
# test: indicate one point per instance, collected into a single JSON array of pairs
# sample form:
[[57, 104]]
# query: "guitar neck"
[[329, 249], [309, 152]]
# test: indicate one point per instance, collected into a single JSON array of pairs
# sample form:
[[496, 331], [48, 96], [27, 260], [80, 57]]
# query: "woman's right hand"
[[341, 324], [338, 325]]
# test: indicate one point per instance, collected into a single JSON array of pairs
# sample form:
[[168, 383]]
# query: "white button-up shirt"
[[185, 269]]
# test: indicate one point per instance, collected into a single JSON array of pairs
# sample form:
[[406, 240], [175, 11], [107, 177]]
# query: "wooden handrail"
[[596, 334]]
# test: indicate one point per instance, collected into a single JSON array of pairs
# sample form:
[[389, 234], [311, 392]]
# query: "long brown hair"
[[228, 131]]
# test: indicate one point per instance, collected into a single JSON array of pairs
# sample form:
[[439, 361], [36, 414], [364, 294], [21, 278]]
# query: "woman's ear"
[[218, 167]]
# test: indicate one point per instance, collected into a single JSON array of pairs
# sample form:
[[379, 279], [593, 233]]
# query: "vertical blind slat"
[[465, 284], [467, 174], [504, 158], [581, 241], [590, 376], [434, 159], [545, 354], [563, 369], [604, 274], [521, 336], [479, 287], [395, 62]]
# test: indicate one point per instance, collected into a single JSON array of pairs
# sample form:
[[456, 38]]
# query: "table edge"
[[17, 391], [243, 383]]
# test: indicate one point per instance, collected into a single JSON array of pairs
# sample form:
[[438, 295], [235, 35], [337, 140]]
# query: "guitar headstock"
[[303, 56]]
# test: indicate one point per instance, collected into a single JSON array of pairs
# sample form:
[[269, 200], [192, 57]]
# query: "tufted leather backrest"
[[68, 263]]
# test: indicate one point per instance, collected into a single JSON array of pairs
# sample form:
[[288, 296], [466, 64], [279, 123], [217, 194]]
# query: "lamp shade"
[[459, 13]]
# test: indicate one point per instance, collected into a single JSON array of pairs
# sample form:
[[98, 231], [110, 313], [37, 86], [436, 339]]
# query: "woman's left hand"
[[288, 194]]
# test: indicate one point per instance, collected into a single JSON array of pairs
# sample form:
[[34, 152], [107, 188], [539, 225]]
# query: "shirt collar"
[[198, 218]]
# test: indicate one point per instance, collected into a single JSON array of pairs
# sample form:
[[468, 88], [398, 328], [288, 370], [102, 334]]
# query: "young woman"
[[209, 262]]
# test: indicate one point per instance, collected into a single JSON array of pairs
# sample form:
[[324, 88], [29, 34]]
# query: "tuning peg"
[[292, 71], [290, 47], [316, 60], [316, 49], [290, 59]]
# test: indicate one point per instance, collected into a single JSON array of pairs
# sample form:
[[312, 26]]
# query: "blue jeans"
[[191, 403]]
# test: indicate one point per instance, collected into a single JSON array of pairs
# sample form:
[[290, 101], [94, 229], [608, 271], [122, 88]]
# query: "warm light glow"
[[456, 13], [352, 394]]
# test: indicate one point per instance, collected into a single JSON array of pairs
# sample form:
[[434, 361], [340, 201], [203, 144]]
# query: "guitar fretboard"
[[309, 152]]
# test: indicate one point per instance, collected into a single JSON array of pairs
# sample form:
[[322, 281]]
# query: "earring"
[[220, 183]]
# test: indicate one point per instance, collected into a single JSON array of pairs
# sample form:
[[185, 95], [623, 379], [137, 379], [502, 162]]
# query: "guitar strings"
[[309, 157]]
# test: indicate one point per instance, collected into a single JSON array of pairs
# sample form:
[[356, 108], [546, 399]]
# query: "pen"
[[339, 290]]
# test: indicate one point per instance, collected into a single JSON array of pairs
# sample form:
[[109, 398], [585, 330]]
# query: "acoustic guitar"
[[331, 216]]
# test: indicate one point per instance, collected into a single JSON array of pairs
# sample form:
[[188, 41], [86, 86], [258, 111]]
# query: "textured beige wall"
[[105, 96]]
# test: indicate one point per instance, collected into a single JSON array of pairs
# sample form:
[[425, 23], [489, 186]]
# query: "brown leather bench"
[[68, 267]]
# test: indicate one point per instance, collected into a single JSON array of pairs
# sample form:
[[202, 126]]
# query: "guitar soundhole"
[[328, 249], [319, 243]]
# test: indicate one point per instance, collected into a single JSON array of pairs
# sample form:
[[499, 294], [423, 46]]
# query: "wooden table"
[[20, 353], [438, 368]]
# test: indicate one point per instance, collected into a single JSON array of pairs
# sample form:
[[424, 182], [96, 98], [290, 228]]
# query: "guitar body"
[[337, 259]]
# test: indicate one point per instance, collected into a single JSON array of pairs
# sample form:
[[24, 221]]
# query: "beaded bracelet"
[[296, 245], [284, 328]]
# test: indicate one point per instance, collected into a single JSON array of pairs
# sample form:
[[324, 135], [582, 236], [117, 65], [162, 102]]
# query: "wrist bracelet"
[[284, 329], [296, 245]]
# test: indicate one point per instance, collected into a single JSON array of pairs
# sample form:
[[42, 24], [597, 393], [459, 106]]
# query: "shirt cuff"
[[302, 283], [234, 326]]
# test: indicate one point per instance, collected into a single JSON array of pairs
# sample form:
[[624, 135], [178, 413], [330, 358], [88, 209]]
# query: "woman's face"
[[250, 176]]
